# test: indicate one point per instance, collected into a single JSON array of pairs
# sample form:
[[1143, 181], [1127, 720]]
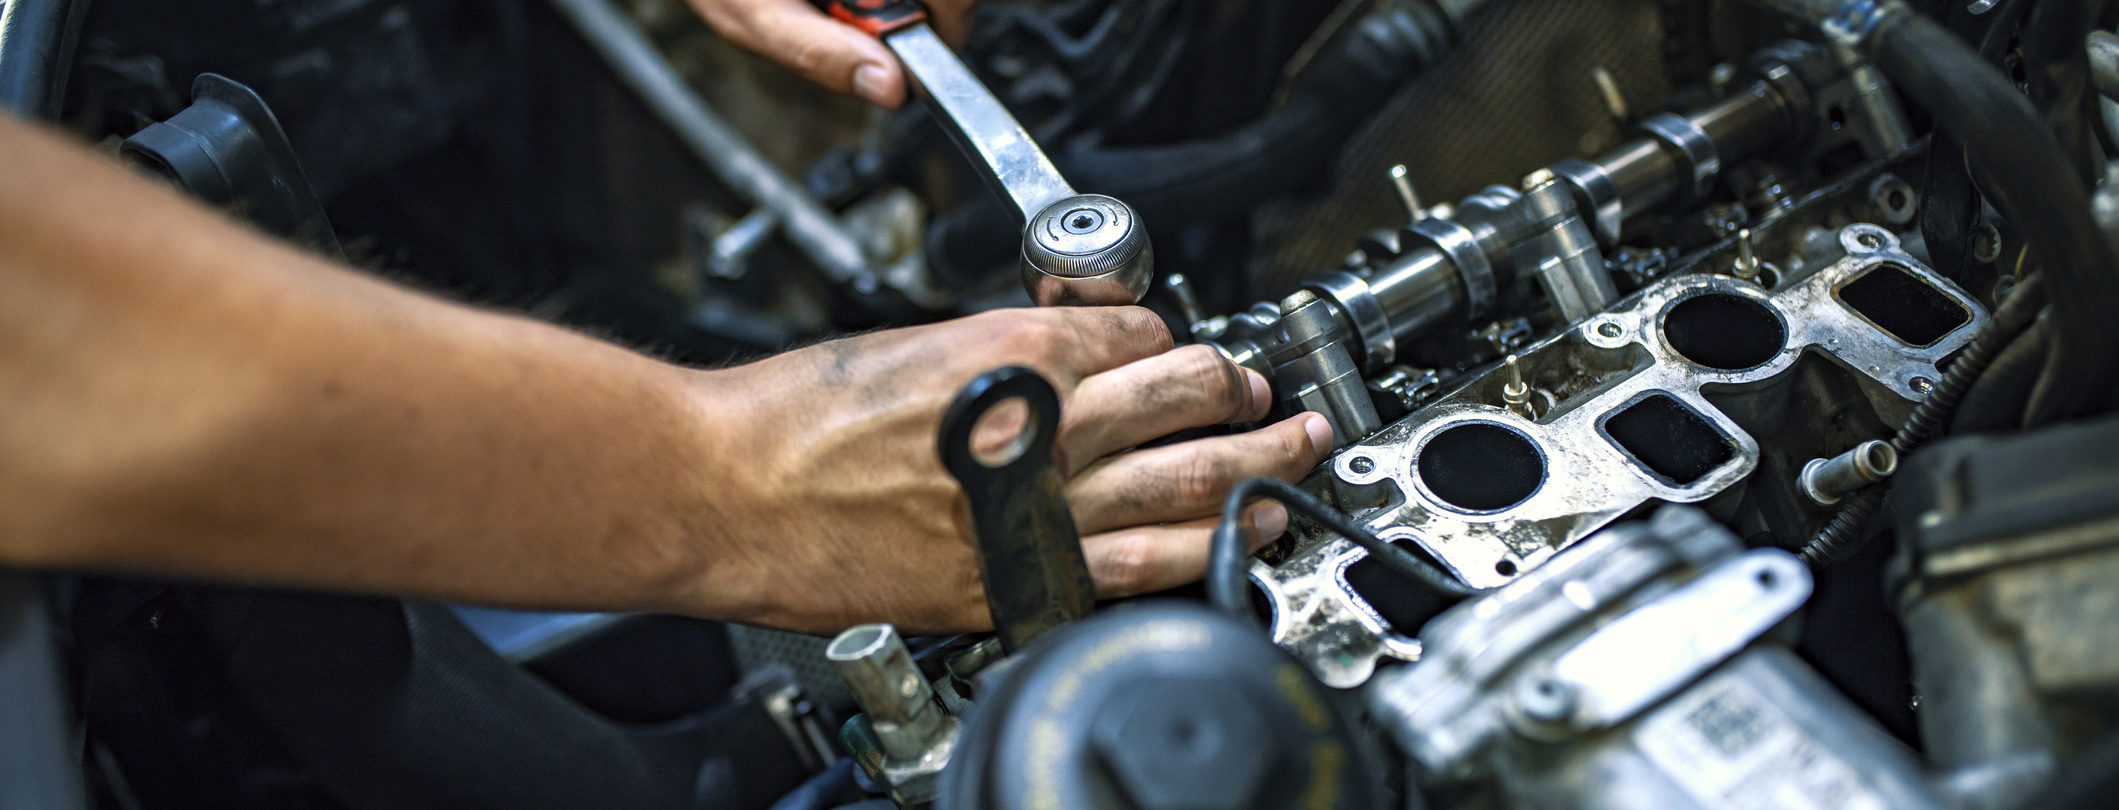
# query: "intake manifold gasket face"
[[1632, 426]]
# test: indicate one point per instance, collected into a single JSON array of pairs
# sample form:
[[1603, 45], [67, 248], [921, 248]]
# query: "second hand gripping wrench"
[[1078, 249]]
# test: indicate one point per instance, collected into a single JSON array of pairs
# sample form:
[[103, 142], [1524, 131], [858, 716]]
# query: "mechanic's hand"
[[794, 33], [846, 515]]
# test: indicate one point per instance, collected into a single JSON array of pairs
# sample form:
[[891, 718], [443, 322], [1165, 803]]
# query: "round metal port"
[[1724, 332], [1480, 467]]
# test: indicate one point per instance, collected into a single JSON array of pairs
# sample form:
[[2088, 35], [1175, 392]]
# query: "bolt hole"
[[1767, 579], [1361, 465], [1506, 568]]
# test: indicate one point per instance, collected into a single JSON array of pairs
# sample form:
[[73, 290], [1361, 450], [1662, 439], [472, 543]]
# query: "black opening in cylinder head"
[[1724, 332], [1903, 305], [1672, 440], [1480, 466]]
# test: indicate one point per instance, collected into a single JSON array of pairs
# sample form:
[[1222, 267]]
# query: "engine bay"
[[1721, 391]]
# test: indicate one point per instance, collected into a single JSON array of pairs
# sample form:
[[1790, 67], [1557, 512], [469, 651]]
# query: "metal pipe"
[[1827, 480], [899, 702], [814, 230]]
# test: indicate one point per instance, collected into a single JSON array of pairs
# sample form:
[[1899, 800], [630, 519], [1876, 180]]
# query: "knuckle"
[[1207, 372], [1142, 324], [810, 56], [1019, 335], [1292, 444], [1201, 479], [1128, 564]]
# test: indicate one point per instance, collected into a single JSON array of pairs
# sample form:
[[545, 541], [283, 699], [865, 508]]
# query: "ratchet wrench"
[[1078, 249]]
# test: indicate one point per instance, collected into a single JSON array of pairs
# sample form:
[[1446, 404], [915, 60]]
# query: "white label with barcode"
[[1728, 747]]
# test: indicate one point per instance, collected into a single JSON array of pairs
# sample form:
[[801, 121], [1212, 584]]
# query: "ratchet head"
[[1087, 250]]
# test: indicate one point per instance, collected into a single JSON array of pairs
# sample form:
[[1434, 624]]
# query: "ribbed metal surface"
[[1516, 96]]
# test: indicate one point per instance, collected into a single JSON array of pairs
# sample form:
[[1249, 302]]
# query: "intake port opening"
[[1405, 606], [1481, 467], [1672, 440], [1724, 332], [1903, 305]]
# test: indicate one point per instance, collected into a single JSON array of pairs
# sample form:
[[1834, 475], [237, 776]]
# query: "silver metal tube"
[[899, 702], [814, 230], [1645, 175], [1826, 480], [1417, 290]]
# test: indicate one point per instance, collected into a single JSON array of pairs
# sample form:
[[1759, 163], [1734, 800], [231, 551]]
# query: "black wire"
[[1226, 569]]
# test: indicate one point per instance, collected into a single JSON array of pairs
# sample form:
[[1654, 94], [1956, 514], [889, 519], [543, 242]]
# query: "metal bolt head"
[[1087, 250], [1185, 744], [1921, 385], [1544, 701], [1361, 465], [1986, 244], [1609, 330]]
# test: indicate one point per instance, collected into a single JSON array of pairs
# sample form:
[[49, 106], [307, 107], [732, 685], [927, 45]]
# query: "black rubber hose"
[[1996, 402], [1226, 571], [2035, 187], [2056, 57], [37, 53]]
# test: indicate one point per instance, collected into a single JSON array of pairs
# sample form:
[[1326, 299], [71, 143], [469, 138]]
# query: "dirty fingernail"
[[1320, 433], [869, 82], [1261, 395], [1270, 520]]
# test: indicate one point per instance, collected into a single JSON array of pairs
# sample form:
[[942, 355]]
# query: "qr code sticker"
[[1728, 722]]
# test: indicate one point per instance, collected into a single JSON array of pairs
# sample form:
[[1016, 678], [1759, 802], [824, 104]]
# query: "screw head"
[[1082, 221], [1544, 700]]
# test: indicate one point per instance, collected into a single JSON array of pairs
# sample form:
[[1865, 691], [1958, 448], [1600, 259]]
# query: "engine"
[[1719, 387]]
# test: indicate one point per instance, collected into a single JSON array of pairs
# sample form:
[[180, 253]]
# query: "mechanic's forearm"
[[180, 396]]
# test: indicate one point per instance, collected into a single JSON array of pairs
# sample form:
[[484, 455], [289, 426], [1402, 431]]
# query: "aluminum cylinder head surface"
[[1627, 417]]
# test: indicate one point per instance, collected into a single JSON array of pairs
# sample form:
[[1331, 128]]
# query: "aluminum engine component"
[[2008, 559], [1630, 671], [1643, 401]]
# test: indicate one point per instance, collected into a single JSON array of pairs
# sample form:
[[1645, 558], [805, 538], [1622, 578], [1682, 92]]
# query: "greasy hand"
[[828, 52], [841, 511]]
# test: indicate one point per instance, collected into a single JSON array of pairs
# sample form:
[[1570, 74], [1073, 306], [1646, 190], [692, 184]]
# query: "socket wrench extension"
[[1078, 249]]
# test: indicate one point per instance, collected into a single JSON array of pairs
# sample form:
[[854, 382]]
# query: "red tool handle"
[[878, 17]]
